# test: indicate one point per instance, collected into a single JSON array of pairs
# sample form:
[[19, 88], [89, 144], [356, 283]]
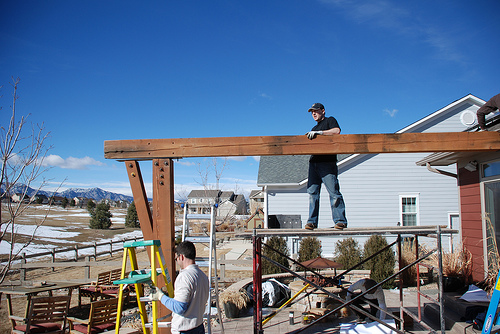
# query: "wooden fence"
[[78, 260], [99, 250]]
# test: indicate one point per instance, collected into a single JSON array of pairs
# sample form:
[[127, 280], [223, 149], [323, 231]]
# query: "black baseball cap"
[[316, 106]]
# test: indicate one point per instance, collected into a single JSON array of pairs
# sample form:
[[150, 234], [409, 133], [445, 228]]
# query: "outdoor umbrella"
[[321, 263]]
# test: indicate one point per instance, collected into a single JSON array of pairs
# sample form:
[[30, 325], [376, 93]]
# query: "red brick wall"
[[470, 213]]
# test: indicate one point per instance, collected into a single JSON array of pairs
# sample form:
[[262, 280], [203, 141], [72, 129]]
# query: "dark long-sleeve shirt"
[[492, 105]]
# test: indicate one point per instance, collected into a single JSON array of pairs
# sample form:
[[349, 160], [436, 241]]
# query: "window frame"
[[416, 196]]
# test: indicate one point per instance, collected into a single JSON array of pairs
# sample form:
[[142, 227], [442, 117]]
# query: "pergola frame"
[[160, 223]]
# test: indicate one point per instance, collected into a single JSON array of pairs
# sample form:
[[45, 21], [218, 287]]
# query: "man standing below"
[[323, 169], [492, 105], [190, 293]]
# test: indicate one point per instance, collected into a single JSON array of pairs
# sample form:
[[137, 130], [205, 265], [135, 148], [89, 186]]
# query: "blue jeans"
[[197, 330], [326, 173]]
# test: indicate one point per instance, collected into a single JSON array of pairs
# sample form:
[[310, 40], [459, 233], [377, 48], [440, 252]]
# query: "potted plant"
[[457, 268], [234, 301]]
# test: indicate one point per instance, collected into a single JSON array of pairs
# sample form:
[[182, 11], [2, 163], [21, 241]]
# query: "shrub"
[[309, 248], [347, 253], [382, 265], [279, 244], [132, 220]]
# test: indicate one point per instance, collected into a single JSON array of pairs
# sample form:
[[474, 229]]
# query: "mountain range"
[[96, 194]]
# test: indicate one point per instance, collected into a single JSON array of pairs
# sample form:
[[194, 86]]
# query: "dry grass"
[[238, 298], [409, 276], [493, 258], [456, 264]]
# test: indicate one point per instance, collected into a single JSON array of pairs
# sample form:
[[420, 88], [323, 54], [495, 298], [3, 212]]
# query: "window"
[[491, 169], [193, 200], [409, 210]]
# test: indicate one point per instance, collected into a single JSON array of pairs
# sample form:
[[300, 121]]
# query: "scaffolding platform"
[[319, 232]]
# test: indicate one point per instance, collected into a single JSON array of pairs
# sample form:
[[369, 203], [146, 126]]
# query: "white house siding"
[[371, 192]]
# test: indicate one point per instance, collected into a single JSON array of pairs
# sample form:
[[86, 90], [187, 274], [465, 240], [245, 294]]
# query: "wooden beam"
[[163, 218], [148, 149], [140, 199]]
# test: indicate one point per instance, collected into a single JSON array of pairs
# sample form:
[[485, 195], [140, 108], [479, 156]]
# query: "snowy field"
[[63, 225]]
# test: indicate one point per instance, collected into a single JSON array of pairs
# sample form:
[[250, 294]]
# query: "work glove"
[[313, 134], [156, 294]]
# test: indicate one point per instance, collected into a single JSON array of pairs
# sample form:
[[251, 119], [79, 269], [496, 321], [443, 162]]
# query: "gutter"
[[438, 171]]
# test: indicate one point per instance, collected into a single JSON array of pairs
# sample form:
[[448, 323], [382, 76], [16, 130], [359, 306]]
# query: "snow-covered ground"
[[45, 235]]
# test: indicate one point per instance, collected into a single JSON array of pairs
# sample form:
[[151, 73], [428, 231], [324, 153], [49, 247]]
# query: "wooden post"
[[87, 267], [53, 257], [163, 217], [23, 270]]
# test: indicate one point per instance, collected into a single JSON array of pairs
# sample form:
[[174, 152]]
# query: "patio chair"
[[102, 318], [45, 315], [103, 287]]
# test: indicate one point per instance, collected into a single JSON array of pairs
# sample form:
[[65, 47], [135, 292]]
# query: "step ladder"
[[211, 242], [139, 277], [492, 320]]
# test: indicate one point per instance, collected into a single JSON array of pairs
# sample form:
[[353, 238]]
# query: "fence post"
[[87, 267], [76, 253], [95, 251], [111, 248], [53, 258], [23, 269]]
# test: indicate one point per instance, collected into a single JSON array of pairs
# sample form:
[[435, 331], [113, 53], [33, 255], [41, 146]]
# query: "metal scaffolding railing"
[[434, 232]]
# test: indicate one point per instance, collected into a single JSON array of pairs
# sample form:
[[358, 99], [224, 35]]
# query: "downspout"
[[438, 171], [265, 207]]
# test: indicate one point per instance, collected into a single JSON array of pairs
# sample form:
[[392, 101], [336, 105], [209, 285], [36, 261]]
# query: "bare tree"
[[205, 170], [22, 150]]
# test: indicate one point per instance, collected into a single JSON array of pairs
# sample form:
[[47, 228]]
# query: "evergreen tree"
[[279, 244], [347, 253], [382, 265], [132, 220], [91, 206], [100, 217], [64, 202], [309, 248]]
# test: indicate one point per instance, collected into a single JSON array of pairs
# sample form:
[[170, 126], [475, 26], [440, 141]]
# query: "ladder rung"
[[160, 324], [145, 278], [197, 239], [142, 243], [199, 216], [202, 263]]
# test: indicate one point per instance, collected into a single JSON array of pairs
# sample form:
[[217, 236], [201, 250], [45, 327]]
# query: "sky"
[[92, 71]]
